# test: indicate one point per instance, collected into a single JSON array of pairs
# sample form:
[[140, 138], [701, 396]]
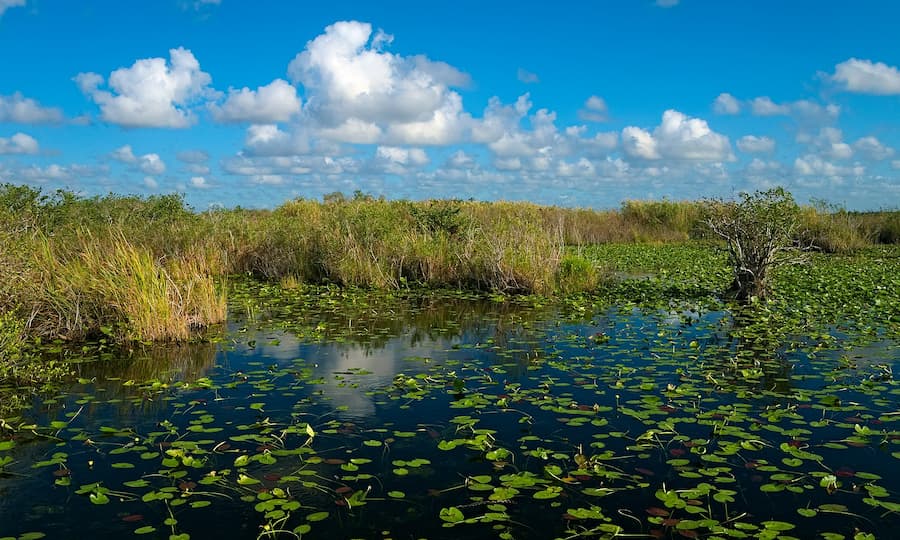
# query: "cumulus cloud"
[[19, 109], [725, 103], [124, 154], [397, 160], [19, 143], [404, 156], [752, 143], [56, 173], [461, 160], [270, 140], [200, 182], [867, 77], [150, 164], [527, 77], [6, 4], [830, 143], [809, 112], [275, 102], [522, 141], [594, 110], [290, 165], [357, 92], [813, 165], [150, 93], [268, 179], [872, 148], [764, 106], [678, 137], [192, 156], [639, 143], [805, 112]]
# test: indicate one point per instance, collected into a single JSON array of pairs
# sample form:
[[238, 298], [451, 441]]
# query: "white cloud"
[[598, 145], [150, 93], [268, 179], [678, 137], [867, 77], [54, 172], [461, 160], [813, 165], [200, 182], [150, 164], [19, 143], [353, 130], [830, 143], [527, 77], [808, 112], [726, 104], [275, 102], [151, 182], [872, 148], [508, 164], [758, 166], [403, 156], [805, 112], [895, 164], [124, 154], [6, 4], [522, 141], [397, 160], [270, 140], [499, 119], [581, 168], [764, 106], [639, 143], [291, 165], [192, 156], [197, 169], [19, 109], [355, 90], [43, 174], [752, 143], [594, 110]]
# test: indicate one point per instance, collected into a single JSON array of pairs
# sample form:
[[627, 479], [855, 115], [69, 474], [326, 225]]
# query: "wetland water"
[[327, 415]]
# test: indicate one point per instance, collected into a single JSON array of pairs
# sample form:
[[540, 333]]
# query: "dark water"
[[523, 421]]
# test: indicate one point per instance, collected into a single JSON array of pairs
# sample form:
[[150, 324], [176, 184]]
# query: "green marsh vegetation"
[[375, 377]]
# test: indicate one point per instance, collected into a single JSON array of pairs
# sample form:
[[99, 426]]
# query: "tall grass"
[[391, 244], [145, 268], [107, 286]]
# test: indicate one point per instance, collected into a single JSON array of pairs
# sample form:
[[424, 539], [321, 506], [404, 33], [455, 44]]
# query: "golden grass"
[[110, 286], [145, 268]]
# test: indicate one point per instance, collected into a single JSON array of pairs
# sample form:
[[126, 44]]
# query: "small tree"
[[759, 230]]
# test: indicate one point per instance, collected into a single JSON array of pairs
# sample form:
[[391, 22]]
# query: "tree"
[[759, 230]]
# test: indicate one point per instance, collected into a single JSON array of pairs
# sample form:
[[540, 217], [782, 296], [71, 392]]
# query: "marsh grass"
[[107, 286], [132, 268]]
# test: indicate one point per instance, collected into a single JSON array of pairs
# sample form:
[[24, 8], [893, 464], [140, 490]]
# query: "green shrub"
[[759, 231], [12, 333], [577, 274]]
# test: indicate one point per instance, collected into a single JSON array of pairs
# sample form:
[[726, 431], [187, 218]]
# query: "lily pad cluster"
[[651, 409]]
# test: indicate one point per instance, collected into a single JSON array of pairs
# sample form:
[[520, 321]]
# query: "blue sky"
[[571, 103]]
